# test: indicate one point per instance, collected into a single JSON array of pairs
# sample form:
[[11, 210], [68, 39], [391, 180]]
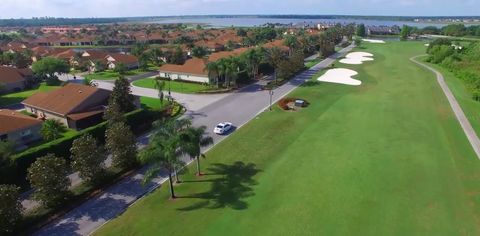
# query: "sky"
[[126, 8]]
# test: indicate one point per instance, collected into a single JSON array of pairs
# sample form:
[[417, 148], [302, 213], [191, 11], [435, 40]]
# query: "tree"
[[156, 56], [361, 31], [178, 56], [327, 44], [122, 95], [291, 42], [194, 140], [52, 129], [213, 73], [48, 67], [121, 144], [88, 158], [10, 208], [199, 52], [252, 59], [405, 32], [159, 85], [165, 150], [7, 149], [100, 66], [358, 42], [48, 177], [143, 60], [121, 69], [274, 58]]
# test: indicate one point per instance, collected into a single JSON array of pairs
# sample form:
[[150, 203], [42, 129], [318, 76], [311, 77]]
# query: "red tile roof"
[[12, 121], [65, 100], [13, 75]]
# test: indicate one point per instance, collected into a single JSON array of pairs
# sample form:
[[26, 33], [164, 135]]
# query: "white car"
[[223, 128]]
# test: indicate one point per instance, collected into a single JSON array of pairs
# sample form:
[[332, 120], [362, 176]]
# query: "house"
[[18, 128], [77, 106], [193, 70], [112, 60], [13, 79]]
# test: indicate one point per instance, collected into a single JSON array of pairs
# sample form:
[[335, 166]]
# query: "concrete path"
[[239, 108], [462, 119]]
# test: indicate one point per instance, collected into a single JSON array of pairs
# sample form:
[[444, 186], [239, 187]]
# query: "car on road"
[[223, 128]]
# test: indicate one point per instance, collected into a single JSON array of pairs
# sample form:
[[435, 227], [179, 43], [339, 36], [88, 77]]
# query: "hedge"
[[139, 120]]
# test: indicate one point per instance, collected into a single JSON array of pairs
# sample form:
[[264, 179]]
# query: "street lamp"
[[270, 92], [169, 85]]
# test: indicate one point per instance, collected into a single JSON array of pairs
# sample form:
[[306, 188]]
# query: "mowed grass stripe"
[[384, 158]]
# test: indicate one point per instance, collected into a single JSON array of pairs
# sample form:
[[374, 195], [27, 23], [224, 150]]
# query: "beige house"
[[76, 106], [18, 128]]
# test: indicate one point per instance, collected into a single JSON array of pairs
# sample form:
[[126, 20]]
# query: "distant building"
[[64, 30], [18, 128]]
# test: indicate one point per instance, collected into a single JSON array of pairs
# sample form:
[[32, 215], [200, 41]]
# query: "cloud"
[[111, 8]]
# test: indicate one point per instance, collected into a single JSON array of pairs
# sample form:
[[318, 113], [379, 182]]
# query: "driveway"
[[239, 108]]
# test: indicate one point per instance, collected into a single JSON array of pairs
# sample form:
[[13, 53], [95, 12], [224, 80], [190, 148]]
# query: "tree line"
[[462, 60]]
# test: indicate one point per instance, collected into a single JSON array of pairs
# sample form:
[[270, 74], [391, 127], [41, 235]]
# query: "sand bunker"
[[340, 76], [373, 41], [357, 58]]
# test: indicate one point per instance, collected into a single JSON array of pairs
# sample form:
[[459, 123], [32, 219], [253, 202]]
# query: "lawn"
[[152, 103], [14, 98], [176, 86], [112, 75], [385, 158], [312, 63]]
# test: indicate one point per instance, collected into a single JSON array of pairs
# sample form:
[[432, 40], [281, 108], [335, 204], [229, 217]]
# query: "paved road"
[[462, 119], [239, 108]]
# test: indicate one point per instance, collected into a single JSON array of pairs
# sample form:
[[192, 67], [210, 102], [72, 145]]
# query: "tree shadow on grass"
[[229, 190]]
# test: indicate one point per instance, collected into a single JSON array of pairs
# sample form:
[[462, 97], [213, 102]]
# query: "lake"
[[254, 21]]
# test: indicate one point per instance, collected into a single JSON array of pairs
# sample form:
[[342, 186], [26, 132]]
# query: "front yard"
[[175, 86], [14, 98]]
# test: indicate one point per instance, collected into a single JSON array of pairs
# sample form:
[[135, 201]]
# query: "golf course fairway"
[[387, 157]]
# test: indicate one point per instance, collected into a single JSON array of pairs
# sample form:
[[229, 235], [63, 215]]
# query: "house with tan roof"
[[18, 128], [77, 106], [130, 61], [193, 70], [13, 79]]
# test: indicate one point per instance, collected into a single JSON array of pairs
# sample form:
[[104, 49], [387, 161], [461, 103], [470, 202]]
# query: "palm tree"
[[274, 58], [213, 72], [231, 70], [252, 60], [159, 85], [195, 139], [165, 150]]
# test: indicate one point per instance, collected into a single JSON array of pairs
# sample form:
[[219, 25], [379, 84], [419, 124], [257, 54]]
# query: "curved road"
[[462, 119]]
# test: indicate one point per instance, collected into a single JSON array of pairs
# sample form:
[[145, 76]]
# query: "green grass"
[[152, 103], [469, 106], [112, 75], [312, 63], [176, 86], [14, 98], [385, 158]]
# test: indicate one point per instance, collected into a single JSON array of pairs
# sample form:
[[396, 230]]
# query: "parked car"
[[223, 128]]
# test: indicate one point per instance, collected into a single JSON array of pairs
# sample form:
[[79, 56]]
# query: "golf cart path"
[[239, 108], [462, 119]]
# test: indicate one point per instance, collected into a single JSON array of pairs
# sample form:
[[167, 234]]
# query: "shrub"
[[10, 208], [48, 177]]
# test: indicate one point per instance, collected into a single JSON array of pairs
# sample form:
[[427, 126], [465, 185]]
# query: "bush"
[[10, 208], [140, 121]]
